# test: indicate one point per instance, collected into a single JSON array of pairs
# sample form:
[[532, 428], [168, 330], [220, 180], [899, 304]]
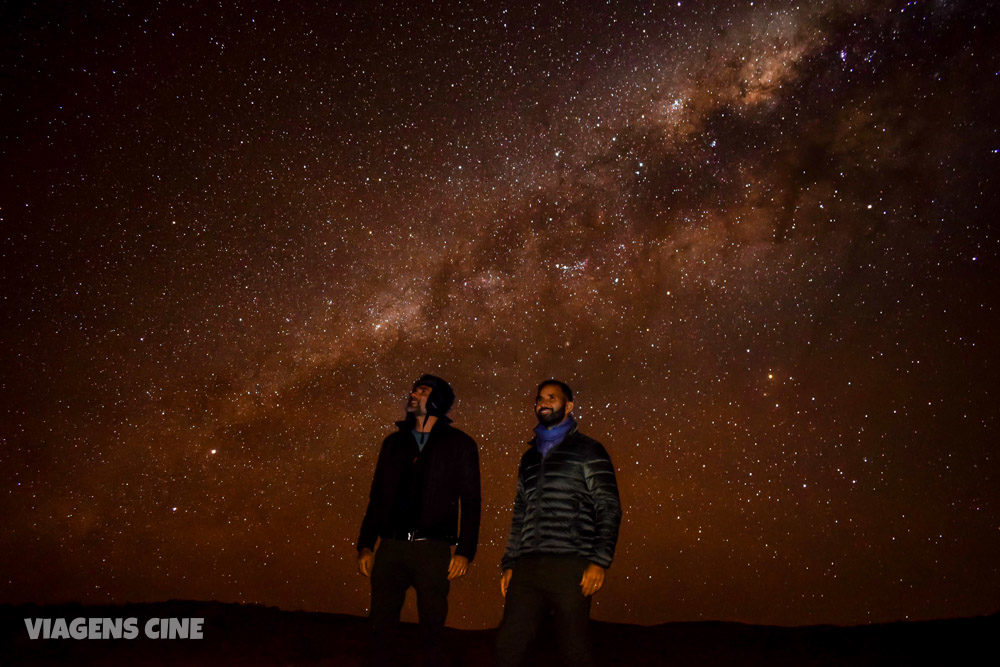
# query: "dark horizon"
[[267, 635], [178, 604], [758, 240]]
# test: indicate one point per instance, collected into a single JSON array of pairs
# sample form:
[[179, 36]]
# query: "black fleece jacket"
[[566, 503], [421, 491]]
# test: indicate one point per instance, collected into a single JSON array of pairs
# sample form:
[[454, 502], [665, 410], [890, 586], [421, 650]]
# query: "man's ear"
[[569, 407]]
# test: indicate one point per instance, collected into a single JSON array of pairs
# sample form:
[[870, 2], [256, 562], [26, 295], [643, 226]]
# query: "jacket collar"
[[408, 423]]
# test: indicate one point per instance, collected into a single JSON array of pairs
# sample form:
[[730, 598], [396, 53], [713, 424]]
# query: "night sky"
[[759, 239]]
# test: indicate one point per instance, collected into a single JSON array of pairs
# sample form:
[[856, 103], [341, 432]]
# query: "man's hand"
[[458, 566], [505, 581], [365, 559], [593, 579]]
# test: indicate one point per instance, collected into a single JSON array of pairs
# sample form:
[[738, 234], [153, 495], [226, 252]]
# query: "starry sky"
[[758, 239]]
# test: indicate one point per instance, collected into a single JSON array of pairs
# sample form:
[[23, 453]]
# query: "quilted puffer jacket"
[[566, 503]]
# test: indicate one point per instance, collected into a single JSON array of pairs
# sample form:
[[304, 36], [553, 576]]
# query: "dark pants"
[[398, 565], [541, 584]]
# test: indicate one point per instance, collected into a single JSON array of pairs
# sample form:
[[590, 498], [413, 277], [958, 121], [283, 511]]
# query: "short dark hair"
[[567, 392]]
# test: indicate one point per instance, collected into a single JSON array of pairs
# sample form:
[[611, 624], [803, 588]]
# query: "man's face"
[[551, 406], [417, 403]]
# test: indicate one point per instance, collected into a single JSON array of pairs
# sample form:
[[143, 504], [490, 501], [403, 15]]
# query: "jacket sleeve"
[[513, 550], [471, 499], [376, 498], [603, 488]]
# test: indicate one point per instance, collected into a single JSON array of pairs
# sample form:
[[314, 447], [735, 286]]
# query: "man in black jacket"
[[425, 472], [563, 533]]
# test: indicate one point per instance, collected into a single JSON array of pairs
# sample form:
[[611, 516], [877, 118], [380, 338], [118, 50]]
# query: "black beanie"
[[441, 398]]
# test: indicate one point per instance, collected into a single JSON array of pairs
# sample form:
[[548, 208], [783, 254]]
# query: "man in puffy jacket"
[[426, 472], [563, 533]]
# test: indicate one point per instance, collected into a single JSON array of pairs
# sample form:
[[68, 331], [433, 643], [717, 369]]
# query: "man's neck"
[[424, 424], [549, 428]]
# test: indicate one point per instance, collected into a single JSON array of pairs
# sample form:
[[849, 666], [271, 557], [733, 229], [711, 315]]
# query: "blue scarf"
[[547, 438]]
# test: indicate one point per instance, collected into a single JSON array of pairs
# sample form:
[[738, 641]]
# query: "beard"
[[551, 418], [414, 407]]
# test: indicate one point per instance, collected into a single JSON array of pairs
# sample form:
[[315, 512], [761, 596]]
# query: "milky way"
[[758, 239]]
